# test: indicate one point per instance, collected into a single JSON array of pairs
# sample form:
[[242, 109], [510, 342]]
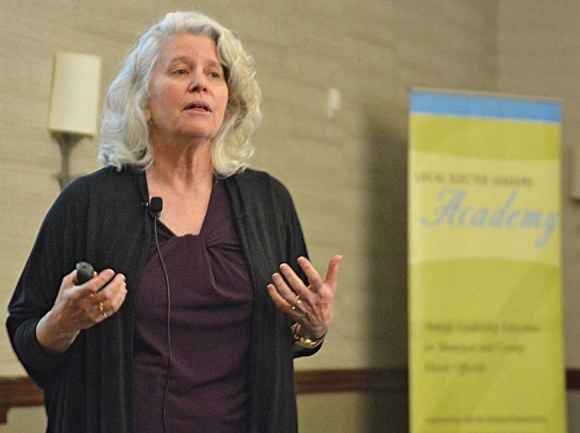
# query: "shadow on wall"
[[386, 240]]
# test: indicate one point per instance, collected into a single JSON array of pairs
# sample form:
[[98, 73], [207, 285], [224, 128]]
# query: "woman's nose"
[[198, 82]]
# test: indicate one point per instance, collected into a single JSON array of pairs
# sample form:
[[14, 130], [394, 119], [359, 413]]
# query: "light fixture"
[[74, 103]]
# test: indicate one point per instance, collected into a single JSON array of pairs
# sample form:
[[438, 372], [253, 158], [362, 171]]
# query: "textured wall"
[[347, 174]]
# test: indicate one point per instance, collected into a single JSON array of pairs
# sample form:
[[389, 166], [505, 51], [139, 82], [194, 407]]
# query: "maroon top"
[[211, 320]]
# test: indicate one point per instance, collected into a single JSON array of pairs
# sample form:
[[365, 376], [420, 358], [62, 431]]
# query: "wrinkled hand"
[[310, 306], [79, 307]]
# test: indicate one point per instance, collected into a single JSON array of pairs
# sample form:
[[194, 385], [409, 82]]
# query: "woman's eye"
[[215, 74], [180, 72]]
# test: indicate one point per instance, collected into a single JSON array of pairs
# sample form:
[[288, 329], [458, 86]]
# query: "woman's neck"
[[179, 167], [184, 180]]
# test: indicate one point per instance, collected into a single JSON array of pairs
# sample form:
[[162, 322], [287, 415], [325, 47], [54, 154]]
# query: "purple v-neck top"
[[210, 330]]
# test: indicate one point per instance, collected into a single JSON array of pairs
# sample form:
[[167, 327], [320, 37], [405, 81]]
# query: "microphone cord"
[[168, 324]]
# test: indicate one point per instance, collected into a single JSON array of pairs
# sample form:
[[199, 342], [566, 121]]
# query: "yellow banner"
[[486, 349]]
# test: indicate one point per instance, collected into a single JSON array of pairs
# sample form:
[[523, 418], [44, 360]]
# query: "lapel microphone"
[[156, 205]]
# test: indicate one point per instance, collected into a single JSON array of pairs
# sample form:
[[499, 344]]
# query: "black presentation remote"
[[84, 272]]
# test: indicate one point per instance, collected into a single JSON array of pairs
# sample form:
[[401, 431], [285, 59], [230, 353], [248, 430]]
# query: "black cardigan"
[[102, 218]]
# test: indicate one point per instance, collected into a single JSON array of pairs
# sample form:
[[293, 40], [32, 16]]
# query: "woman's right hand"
[[80, 307]]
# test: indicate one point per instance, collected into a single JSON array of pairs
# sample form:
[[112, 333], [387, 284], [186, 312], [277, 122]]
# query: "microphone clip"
[[155, 206]]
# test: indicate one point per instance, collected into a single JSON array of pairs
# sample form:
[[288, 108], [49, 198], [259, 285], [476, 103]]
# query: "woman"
[[201, 303]]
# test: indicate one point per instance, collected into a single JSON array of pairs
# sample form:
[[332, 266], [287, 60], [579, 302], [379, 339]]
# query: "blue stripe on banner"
[[482, 106]]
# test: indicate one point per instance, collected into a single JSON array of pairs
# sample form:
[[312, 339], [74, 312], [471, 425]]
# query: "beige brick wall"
[[347, 174]]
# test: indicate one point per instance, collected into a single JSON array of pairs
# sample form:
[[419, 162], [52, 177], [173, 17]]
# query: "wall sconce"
[[74, 103]]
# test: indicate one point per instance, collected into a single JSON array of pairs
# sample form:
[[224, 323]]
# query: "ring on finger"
[[298, 301], [102, 310]]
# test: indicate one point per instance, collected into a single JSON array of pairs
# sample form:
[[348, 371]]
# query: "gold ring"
[[102, 310], [298, 301]]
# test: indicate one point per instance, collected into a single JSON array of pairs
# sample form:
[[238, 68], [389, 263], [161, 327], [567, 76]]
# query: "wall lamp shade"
[[74, 99], [74, 103]]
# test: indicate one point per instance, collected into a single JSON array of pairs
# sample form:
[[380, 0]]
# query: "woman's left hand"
[[310, 306]]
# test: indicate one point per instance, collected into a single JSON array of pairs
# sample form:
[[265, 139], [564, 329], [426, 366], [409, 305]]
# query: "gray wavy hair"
[[125, 135]]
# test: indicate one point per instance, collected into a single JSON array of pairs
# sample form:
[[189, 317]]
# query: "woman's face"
[[188, 90]]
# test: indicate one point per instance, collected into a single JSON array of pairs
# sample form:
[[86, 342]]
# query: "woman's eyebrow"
[[185, 59], [179, 59]]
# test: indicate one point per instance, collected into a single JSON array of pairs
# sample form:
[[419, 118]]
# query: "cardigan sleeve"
[[295, 248], [38, 287], [292, 235]]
